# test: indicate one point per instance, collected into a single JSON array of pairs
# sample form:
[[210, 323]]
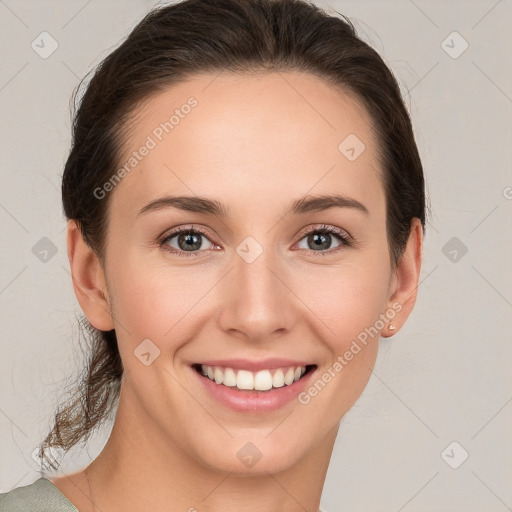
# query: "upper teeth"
[[260, 381]]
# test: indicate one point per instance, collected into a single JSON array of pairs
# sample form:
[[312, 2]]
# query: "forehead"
[[248, 138]]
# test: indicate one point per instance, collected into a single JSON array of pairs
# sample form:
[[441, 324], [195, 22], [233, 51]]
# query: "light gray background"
[[445, 377]]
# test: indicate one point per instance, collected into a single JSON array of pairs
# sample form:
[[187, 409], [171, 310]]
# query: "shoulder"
[[40, 496]]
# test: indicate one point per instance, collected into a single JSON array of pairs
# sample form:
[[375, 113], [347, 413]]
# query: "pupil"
[[191, 241], [320, 240]]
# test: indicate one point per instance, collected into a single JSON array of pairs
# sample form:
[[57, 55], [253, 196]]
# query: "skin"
[[256, 143]]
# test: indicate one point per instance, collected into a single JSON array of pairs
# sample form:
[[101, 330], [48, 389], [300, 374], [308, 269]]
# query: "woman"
[[246, 208]]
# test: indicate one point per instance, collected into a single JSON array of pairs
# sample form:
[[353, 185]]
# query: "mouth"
[[261, 381]]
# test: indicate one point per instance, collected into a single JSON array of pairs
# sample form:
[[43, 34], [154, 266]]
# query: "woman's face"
[[258, 286]]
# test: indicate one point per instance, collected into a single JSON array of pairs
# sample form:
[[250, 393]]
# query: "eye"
[[321, 237], [188, 240]]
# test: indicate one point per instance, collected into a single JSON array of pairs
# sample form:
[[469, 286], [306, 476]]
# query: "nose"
[[256, 303]]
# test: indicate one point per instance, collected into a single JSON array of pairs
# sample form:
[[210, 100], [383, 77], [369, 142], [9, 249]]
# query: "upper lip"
[[251, 365]]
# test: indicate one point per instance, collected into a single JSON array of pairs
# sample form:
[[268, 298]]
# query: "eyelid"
[[173, 232], [323, 228], [345, 239]]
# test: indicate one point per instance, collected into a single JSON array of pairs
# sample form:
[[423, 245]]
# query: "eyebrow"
[[204, 205]]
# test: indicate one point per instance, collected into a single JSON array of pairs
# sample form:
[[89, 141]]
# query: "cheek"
[[347, 317], [348, 305], [151, 308], [147, 301], [346, 299]]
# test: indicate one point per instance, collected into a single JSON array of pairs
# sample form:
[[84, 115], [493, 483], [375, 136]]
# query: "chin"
[[246, 458]]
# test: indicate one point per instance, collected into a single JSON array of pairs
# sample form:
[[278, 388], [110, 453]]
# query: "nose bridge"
[[257, 302]]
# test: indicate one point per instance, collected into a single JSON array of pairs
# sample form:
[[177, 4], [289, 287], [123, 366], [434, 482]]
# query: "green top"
[[40, 496]]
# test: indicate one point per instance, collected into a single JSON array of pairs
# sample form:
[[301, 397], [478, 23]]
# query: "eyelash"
[[346, 240]]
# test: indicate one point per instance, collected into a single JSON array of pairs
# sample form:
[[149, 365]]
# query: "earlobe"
[[406, 279], [88, 280]]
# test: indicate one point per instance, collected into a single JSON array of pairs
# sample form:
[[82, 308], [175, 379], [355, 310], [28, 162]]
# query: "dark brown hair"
[[171, 44]]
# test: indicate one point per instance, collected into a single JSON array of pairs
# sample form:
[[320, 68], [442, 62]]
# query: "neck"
[[141, 468]]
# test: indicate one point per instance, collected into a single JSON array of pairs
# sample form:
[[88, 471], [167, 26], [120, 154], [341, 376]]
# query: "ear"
[[88, 280], [404, 282]]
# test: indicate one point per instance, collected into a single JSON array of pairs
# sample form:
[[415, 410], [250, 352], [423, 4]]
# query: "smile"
[[262, 380]]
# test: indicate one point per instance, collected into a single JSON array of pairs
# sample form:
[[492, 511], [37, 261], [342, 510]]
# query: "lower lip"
[[254, 401]]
